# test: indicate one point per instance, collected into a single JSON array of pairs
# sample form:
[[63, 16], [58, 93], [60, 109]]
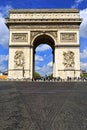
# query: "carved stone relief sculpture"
[[19, 59], [68, 37], [19, 37], [69, 60], [34, 33]]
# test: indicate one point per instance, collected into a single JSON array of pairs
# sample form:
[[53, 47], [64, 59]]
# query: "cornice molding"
[[57, 46], [43, 20], [44, 10], [68, 70], [29, 46], [44, 26]]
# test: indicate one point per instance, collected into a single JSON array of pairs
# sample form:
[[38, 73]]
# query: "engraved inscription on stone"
[[19, 37], [19, 59], [68, 37], [69, 59]]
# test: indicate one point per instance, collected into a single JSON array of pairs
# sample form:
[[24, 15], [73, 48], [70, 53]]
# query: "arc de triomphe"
[[58, 28]]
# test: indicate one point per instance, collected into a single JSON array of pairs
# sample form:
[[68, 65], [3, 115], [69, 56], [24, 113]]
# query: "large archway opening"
[[43, 55], [43, 60]]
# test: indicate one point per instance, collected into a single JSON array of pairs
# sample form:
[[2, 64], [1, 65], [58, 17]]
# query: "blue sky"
[[43, 58]]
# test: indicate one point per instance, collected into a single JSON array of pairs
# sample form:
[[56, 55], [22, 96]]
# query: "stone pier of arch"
[[59, 28]]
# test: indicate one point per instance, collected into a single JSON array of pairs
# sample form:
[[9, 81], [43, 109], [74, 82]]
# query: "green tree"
[[37, 75], [84, 75], [50, 76]]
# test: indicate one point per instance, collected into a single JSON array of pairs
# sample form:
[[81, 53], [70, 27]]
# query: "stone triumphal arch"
[[59, 28]]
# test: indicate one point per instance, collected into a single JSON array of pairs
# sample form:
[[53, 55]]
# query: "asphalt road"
[[43, 105]]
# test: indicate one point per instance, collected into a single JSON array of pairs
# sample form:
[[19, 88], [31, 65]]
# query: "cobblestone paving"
[[43, 105]]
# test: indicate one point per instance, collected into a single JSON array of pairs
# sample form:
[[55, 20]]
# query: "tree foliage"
[[37, 75], [84, 75], [50, 76]]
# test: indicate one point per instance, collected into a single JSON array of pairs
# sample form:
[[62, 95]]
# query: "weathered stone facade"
[[59, 28]]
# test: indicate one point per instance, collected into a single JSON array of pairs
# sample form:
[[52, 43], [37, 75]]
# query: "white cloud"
[[43, 47], [83, 15], [3, 58], [3, 68], [83, 66], [84, 53], [4, 32], [4, 36], [83, 26], [37, 68], [38, 58], [50, 64], [44, 70], [77, 2]]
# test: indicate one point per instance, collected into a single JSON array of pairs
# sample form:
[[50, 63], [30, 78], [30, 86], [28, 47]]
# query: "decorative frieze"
[[45, 15], [19, 37], [69, 60], [19, 59], [68, 37], [71, 27]]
